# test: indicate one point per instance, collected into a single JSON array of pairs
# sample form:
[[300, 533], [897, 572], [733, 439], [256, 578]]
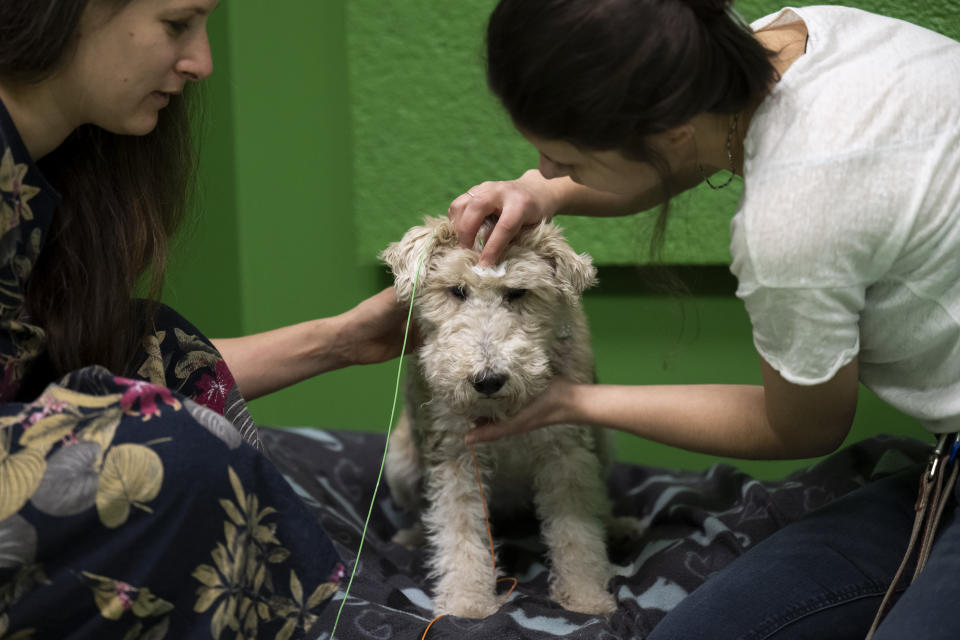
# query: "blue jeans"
[[823, 577]]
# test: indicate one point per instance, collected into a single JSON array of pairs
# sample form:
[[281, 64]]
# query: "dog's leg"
[[623, 530], [572, 504], [404, 474], [456, 531]]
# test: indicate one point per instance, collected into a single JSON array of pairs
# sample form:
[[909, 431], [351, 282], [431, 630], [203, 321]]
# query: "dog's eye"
[[514, 294], [459, 292]]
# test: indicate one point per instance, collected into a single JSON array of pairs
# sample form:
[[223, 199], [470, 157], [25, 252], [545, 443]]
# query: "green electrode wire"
[[393, 410]]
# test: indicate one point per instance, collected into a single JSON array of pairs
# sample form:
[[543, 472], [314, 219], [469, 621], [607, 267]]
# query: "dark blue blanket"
[[697, 524]]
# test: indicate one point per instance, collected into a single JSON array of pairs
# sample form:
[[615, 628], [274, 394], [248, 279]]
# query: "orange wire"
[[424, 636], [493, 555]]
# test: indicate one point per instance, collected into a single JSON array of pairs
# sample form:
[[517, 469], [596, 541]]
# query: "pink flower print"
[[214, 391], [146, 394], [339, 572], [17, 197], [10, 383], [51, 406], [123, 590], [43, 407]]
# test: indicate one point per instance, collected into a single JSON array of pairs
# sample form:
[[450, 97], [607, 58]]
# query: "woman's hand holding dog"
[[368, 333], [373, 331], [553, 406], [776, 420]]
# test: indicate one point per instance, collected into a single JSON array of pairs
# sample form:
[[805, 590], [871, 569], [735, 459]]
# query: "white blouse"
[[847, 239]]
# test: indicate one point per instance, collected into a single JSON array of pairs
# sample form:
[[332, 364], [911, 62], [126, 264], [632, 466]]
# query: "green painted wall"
[[202, 277], [333, 126], [274, 240], [425, 129]]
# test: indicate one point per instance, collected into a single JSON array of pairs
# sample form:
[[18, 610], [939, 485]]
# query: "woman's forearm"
[[269, 361], [721, 420], [372, 331], [577, 200]]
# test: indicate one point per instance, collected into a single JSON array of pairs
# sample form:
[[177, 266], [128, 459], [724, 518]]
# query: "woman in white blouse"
[[845, 127]]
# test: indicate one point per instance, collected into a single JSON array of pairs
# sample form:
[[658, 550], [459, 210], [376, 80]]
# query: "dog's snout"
[[489, 383]]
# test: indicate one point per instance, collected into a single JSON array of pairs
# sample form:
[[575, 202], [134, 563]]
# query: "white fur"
[[524, 339], [494, 272]]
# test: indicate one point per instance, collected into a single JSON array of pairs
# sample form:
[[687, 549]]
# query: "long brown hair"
[[123, 197]]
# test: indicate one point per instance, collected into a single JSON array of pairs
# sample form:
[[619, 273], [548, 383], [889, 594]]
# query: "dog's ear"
[[574, 271], [403, 257]]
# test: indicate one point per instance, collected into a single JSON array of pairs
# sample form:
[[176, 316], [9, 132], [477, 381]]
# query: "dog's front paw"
[[584, 599], [623, 530], [467, 606], [411, 538]]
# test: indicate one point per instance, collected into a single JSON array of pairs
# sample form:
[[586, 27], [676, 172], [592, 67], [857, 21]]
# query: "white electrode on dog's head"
[[484, 232], [491, 272]]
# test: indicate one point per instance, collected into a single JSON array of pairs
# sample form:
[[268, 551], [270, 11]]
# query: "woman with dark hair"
[[845, 127], [133, 499]]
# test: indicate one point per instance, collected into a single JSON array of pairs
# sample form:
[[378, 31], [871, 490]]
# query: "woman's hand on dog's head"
[[513, 204]]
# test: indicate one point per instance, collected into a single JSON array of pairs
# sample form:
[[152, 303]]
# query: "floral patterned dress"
[[139, 504]]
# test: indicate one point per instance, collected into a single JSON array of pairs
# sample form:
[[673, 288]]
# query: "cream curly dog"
[[492, 338]]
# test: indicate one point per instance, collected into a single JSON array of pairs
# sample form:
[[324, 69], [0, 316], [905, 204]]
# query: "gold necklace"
[[717, 187]]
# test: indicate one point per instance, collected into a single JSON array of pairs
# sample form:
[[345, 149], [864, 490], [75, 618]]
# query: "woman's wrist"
[[325, 346], [571, 399], [551, 192], [336, 344]]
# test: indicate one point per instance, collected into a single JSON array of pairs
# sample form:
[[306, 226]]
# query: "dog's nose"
[[489, 383]]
